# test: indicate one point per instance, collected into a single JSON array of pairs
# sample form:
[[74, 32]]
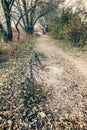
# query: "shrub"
[[57, 28], [77, 31], [70, 26], [59, 25]]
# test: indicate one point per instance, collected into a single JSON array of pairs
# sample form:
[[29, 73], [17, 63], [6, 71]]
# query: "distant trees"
[[30, 12], [23, 13]]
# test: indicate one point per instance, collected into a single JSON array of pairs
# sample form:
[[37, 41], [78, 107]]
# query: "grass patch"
[[77, 51], [11, 56], [14, 50]]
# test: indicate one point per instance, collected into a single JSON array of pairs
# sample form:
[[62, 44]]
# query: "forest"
[[43, 65]]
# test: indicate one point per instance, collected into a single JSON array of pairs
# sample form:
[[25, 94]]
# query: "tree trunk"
[[9, 28], [29, 30], [6, 8], [3, 33]]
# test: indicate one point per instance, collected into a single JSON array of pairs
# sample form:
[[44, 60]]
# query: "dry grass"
[[14, 48], [77, 51]]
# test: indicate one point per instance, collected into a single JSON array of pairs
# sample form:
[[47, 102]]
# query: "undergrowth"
[[14, 50], [69, 26]]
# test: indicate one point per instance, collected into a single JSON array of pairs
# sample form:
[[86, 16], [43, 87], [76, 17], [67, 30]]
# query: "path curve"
[[65, 75]]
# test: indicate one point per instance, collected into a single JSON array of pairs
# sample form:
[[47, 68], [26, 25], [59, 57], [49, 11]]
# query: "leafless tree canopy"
[[25, 13]]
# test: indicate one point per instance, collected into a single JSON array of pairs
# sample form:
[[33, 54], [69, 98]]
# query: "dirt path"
[[65, 75]]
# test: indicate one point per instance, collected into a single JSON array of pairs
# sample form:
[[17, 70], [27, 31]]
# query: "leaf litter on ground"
[[26, 108]]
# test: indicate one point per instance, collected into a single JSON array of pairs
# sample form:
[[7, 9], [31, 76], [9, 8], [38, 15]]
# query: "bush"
[[70, 26], [59, 25], [77, 31], [57, 28]]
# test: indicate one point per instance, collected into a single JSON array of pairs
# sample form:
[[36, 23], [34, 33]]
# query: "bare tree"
[[30, 11], [24, 13], [7, 6]]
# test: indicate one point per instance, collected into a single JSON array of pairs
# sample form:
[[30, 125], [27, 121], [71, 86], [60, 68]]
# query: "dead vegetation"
[[26, 100]]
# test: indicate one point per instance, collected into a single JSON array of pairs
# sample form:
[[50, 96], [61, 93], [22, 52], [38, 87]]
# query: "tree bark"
[[29, 30], [6, 8], [3, 33], [9, 28]]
